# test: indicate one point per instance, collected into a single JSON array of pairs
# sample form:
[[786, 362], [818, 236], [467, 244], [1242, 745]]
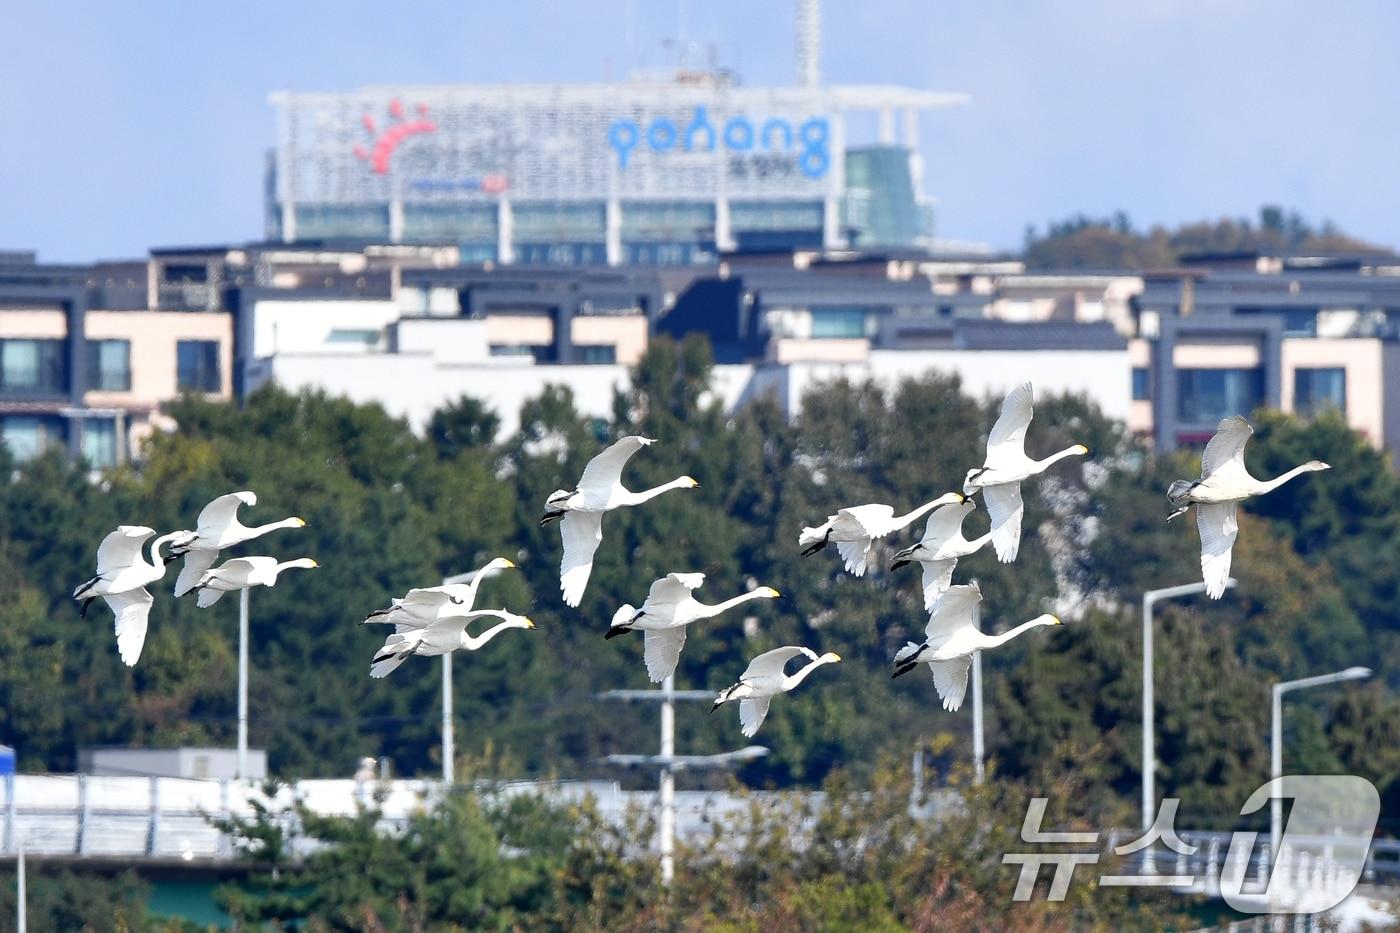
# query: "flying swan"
[[241, 573], [939, 549], [1224, 482], [123, 573], [444, 636], [599, 490], [424, 605], [764, 679], [855, 529], [218, 527], [1000, 476], [950, 640], [671, 606]]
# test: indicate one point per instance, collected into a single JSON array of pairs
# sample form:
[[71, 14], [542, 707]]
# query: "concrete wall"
[[305, 326], [154, 337], [1361, 357], [414, 385], [42, 324], [628, 333]]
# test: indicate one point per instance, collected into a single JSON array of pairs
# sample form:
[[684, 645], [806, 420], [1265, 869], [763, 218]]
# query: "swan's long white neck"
[[299, 562], [901, 521], [977, 544], [791, 681], [471, 644], [993, 641], [706, 610], [1075, 451], [156, 562], [1276, 482], [257, 530], [637, 498]]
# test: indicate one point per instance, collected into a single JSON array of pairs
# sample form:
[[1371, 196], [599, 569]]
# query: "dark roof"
[[970, 334]]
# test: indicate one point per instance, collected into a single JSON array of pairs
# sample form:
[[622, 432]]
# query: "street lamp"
[[241, 762], [1149, 760], [449, 750], [668, 762], [1276, 742], [978, 750]]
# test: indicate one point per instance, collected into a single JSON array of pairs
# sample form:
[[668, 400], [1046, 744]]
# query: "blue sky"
[[135, 125]]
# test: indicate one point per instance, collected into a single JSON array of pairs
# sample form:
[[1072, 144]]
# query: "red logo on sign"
[[394, 133]]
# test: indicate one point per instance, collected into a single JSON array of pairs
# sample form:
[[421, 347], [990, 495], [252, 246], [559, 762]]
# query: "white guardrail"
[[168, 818]]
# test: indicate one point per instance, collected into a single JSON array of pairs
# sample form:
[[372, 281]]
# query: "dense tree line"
[[1085, 242], [388, 510]]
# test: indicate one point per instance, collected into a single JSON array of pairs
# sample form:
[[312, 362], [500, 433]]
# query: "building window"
[[27, 436], [1315, 390], [109, 365], [197, 363], [358, 337], [838, 322], [1142, 384], [100, 443], [33, 365], [1207, 395], [601, 353]]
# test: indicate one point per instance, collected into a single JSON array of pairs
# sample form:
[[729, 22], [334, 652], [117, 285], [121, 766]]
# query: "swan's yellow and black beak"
[[615, 631]]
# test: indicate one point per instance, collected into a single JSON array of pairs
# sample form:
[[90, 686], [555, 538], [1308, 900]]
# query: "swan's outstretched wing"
[[1227, 446], [582, 532], [938, 576], [771, 663], [1007, 442], [952, 611], [944, 522], [1219, 527], [950, 679], [871, 521], [121, 548], [673, 588], [752, 712], [223, 511], [208, 596], [197, 561], [1005, 508], [604, 470], [663, 652], [133, 611], [855, 555]]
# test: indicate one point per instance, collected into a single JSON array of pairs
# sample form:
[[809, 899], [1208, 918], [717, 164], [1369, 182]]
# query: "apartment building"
[[90, 379]]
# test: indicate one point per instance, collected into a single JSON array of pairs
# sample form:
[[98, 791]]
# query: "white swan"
[[764, 679], [122, 575], [217, 528], [669, 608], [443, 636], [855, 529], [939, 549], [1000, 476], [951, 638], [423, 605], [1224, 482], [241, 573], [599, 490]]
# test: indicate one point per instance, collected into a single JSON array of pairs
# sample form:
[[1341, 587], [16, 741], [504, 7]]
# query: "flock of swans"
[[434, 620]]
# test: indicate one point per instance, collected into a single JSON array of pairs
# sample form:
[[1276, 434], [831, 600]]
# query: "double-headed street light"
[[1149, 759], [1276, 742]]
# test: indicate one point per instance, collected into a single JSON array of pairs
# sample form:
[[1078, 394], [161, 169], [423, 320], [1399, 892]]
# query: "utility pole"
[[667, 762]]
